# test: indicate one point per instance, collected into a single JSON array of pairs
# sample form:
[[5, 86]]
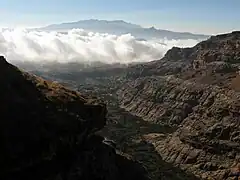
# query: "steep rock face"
[[160, 99], [205, 119], [47, 132], [218, 49], [200, 102], [225, 47]]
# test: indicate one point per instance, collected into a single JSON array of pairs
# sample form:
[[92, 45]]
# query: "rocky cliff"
[[218, 54], [194, 92], [48, 132]]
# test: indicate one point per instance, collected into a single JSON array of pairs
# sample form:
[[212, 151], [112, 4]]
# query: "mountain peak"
[[153, 28], [120, 27]]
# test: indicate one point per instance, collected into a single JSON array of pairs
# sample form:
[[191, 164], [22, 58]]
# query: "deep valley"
[[176, 118]]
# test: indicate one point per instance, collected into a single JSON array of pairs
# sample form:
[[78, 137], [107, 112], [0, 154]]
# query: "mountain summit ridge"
[[120, 27]]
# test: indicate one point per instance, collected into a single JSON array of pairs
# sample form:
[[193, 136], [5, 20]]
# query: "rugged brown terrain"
[[47, 132], [195, 92]]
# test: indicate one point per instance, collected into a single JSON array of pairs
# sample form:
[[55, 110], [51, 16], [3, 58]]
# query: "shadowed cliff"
[[48, 132]]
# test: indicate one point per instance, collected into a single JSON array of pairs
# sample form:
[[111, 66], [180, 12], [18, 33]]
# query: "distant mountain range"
[[119, 27]]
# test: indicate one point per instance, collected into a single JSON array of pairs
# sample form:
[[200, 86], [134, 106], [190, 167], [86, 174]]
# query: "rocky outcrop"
[[48, 132], [223, 48]]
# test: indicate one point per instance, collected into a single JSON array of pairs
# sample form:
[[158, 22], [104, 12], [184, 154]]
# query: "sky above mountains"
[[205, 16]]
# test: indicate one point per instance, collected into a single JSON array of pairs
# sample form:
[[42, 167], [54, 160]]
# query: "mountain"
[[178, 116], [119, 27], [208, 58], [50, 132], [93, 24], [196, 92]]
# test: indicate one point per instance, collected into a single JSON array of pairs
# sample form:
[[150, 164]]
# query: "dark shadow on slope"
[[149, 157], [123, 118], [128, 131]]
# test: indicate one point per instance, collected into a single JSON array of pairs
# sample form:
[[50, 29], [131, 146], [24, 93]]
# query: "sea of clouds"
[[78, 45]]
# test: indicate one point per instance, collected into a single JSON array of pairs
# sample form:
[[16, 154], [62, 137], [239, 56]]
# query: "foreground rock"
[[47, 132]]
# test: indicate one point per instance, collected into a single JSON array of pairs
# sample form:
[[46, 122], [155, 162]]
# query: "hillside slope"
[[195, 92], [48, 132]]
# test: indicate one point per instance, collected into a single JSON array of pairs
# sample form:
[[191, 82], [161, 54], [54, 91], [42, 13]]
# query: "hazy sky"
[[199, 16]]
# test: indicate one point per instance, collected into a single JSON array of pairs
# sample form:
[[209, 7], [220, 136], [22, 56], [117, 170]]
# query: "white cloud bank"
[[80, 46]]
